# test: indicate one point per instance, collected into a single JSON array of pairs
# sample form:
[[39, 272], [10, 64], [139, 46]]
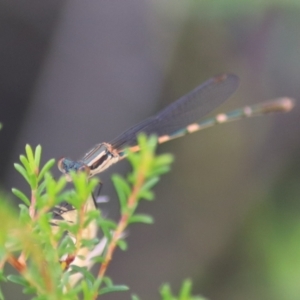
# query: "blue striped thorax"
[[95, 161]]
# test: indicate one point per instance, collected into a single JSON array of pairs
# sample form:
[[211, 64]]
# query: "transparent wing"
[[186, 110]]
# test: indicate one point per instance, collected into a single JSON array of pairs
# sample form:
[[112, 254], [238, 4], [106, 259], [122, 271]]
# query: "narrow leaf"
[[185, 291], [29, 290], [24, 214], [115, 288], [23, 172], [84, 271], [49, 164], [20, 195], [41, 188], [166, 293], [2, 276], [122, 244], [29, 154], [98, 259], [24, 161], [147, 195], [87, 292], [150, 183], [37, 155], [160, 170], [111, 225], [90, 243], [17, 279], [107, 281], [163, 159], [123, 190], [134, 159], [141, 218]]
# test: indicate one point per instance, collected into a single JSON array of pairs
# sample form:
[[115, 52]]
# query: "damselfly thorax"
[[98, 159]]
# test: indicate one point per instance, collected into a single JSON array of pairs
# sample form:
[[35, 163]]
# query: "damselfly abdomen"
[[176, 120]]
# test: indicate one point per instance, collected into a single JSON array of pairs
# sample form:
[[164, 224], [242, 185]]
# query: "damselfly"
[[175, 121]]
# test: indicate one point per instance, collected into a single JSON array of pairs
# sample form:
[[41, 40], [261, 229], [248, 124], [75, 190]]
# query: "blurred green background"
[[76, 73]]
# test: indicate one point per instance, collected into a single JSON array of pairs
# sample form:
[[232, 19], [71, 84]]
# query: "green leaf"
[[66, 246], [65, 277], [2, 276], [131, 177], [20, 195], [107, 281], [112, 289], [147, 143], [152, 142], [90, 243], [185, 292], [1, 295], [142, 141], [150, 183], [30, 156], [123, 190], [45, 223], [86, 290], [83, 188], [41, 188], [134, 297], [109, 224], [122, 244], [91, 216], [163, 159], [133, 158], [17, 279], [25, 163], [60, 184], [29, 290], [49, 164], [108, 234], [23, 172], [37, 155], [98, 259], [24, 214], [33, 179], [160, 170], [147, 195], [166, 293], [141, 218], [84, 272]]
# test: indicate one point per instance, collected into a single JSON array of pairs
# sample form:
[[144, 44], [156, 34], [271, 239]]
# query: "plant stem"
[[32, 204], [131, 205], [16, 263]]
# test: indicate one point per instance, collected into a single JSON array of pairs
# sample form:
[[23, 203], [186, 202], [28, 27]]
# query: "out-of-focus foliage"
[[228, 9], [49, 248]]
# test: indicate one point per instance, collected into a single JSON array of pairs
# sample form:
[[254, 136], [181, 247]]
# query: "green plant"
[[53, 246]]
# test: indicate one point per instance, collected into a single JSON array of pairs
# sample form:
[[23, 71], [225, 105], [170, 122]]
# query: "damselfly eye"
[[61, 165]]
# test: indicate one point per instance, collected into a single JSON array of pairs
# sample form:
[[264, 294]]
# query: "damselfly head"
[[66, 165]]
